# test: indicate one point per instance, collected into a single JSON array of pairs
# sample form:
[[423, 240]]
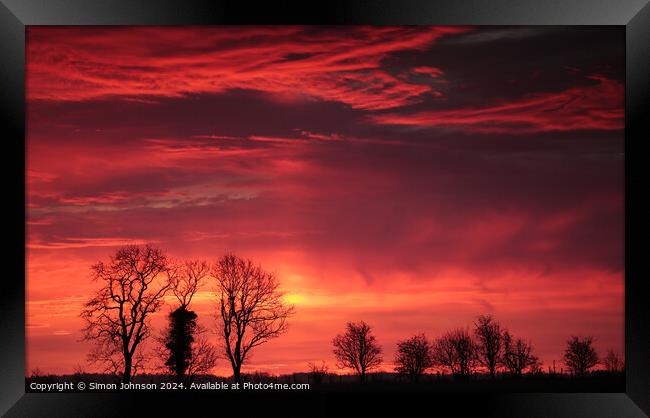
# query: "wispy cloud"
[[293, 63], [74, 243], [598, 106]]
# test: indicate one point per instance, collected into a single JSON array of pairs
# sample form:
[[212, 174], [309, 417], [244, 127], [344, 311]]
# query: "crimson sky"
[[412, 177]]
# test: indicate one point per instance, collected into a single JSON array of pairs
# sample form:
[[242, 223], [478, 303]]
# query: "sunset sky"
[[412, 177]]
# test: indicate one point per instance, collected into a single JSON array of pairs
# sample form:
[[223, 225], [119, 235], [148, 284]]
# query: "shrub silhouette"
[[317, 373], [613, 362]]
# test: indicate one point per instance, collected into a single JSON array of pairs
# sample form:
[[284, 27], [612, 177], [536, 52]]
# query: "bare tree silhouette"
[[79, 370], [204, 356], [466, 352], [189, 276], [580, 355], [414, 357], [489, 342], [357, 349], [133, 284], [317, 372], [251, 308], [613, 362], [518, 355], [456, 351]]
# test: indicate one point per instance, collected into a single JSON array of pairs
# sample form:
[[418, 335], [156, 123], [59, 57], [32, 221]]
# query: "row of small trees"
[[251, 311], [133, 284], [460, 352]]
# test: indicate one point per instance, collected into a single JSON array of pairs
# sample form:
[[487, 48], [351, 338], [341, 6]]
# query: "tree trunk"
[[180, 378], [126, 376], [237, 374]]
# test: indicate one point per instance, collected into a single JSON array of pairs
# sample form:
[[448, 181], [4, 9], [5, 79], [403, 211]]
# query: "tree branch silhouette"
[[580, 355], [133, 284], [251, 308], [517, 355], [456, 351], [357, 349], [489, 342], [414, 357], [184, 355]]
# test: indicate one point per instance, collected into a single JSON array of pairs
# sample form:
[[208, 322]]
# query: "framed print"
[[282, 207]]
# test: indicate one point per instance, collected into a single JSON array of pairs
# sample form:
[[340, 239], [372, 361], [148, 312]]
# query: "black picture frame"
[[15, 15]]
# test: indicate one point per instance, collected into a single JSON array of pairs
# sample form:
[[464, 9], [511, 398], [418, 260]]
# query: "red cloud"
[[598, 106], [342, 64], [433, 72]]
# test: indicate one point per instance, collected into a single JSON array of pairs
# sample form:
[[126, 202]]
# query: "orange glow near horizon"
[[377, 173]]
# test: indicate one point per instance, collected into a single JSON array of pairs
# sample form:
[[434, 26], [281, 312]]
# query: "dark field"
[[597, 382]]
